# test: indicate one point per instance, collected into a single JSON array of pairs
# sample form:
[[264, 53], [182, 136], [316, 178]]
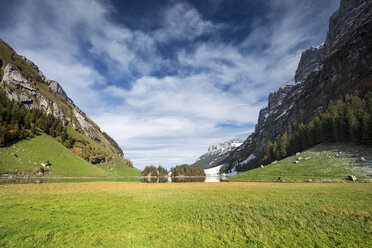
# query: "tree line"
[[179, 170], [18, 122], [188, 170]]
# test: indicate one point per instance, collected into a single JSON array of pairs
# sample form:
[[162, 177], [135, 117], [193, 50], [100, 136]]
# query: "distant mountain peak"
[[217, 153]]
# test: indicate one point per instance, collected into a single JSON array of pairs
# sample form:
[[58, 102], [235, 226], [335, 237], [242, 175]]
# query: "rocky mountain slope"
[[217, 153], [23, 82], [340, 66]]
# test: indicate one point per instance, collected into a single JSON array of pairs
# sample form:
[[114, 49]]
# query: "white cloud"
[[183, 22]]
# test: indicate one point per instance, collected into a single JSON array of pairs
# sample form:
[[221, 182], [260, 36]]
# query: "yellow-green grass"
[[186, 215], [26, 156], [328, 162]]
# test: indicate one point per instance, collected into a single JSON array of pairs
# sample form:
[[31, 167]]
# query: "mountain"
[[23, 82], [217, 153], [340, 66]]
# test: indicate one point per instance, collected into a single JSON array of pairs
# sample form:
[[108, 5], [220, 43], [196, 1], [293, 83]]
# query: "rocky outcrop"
[[309, 62], [217, 153], [22, 81], [324, 73]]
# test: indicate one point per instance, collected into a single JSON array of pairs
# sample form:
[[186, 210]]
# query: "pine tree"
[[283, 146]]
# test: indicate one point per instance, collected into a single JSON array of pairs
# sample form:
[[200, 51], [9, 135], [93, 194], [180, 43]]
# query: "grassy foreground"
[[326, 162], [186, 215], [27, 155]]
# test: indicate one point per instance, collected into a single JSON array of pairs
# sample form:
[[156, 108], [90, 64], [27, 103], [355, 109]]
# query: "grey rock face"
[[342, 21], [339, 25], [16, 86], [310, 61]]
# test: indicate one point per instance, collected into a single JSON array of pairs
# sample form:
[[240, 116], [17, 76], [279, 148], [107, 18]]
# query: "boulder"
[[362, 159], [352, 178]]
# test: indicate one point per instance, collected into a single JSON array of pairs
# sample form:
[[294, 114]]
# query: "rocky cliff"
[[217, 153], [22, 81], [339, 66]]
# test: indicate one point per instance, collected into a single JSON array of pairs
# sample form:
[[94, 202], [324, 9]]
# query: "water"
[[23, 180]]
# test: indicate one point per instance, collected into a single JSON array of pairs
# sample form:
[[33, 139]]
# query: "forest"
[[18, 122]]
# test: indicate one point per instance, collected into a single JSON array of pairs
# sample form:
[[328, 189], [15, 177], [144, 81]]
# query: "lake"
[[22, 180]]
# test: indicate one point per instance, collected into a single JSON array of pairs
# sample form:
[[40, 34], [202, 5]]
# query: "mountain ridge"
[[324, 73]]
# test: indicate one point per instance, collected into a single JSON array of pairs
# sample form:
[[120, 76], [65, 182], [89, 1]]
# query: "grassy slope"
[[26, 156], [323, 165], [32, 76], [186, 215]]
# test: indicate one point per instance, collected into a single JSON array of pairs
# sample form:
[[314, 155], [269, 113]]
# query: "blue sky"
[[167, 79]]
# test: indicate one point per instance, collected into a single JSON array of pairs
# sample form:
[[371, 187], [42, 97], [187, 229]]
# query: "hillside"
[[324, 162], [23, 82], [26, 157], [325, 73]]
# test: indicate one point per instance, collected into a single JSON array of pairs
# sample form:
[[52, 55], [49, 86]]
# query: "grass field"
[[27, 155], [327, 162], [186, 215]]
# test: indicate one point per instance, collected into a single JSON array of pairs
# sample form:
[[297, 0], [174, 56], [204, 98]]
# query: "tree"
[[283, 146]]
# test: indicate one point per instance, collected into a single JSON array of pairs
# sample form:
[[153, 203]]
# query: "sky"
[[167, 79]]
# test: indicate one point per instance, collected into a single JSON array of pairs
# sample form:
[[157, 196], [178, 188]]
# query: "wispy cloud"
[[166, 93]]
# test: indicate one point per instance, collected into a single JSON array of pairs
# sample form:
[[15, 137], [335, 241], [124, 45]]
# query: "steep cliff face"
[[22, 81], [217, 153], [328, 72]]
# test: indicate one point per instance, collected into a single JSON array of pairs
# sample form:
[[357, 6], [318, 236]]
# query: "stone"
[[262, 166], [362, 159], [298, 154], [351, 177], [296, 162], [309, 180], [307, 158], [299, 158]]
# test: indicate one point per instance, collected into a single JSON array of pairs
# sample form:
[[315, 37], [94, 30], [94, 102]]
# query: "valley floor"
[[113, 214]]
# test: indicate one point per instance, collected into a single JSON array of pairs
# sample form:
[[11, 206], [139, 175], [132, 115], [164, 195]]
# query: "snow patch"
[[250, 157], [214, 171]]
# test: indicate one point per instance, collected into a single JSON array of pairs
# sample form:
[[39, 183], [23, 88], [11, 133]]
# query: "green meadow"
[[321, 163], [112, 214], [25, 156]]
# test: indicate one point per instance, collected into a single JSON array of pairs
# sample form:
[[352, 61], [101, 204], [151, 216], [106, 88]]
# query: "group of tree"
[[18, 122], [345, 120], [154, 171], [188, 170]]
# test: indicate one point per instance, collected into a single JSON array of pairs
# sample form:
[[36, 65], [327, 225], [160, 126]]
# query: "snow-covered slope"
[[217, 153]]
